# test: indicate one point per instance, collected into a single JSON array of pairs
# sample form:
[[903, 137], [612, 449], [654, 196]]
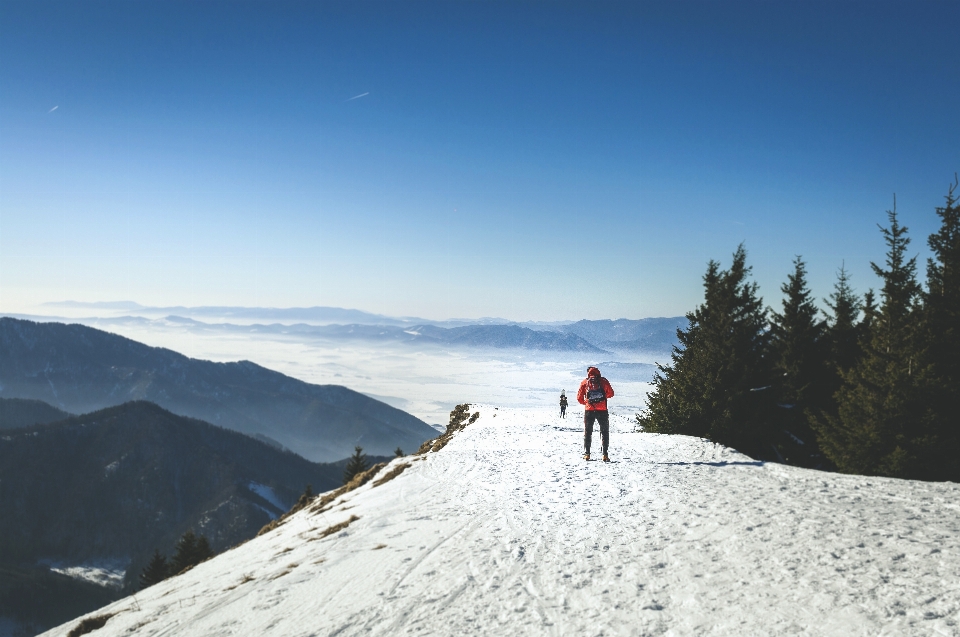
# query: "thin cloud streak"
[[358, 96], [54, 108]]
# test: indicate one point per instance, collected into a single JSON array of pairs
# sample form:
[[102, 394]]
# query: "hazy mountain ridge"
[[649, 334], [657, 335], [134, 470], [21, 412], [506, 336], [82, 369]]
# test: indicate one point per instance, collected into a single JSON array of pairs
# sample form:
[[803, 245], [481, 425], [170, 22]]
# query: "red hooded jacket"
[[582, 392]]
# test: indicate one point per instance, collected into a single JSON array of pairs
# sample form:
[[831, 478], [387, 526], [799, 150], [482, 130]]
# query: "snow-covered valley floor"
[[507, 531]]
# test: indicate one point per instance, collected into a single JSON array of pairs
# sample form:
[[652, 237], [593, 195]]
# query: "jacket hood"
[[593, 371]]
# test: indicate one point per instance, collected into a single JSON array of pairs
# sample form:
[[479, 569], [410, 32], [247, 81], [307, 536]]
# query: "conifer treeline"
[[871, 386], [191, 550]]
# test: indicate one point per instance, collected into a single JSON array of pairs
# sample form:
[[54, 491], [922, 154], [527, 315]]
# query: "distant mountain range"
[[652, 335], [318, 315], [472, 336], [80, 369], [655, 335], [114, 485]]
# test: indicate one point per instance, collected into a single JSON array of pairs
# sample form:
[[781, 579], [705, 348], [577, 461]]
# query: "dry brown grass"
[[89, 625], [320, 501], [379, 546], [358, 481], [390, 475], [246, 578], [303, 502], [336, 528], [288, 569]]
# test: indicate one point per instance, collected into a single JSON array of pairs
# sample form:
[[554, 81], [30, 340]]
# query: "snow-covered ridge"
[[507, 531]]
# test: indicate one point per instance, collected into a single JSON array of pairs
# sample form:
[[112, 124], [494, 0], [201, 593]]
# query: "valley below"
[[426, 379]]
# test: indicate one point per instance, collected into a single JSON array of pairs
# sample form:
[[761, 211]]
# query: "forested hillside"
[[80, 369], [113, 486], [22, 412], [871, 385]]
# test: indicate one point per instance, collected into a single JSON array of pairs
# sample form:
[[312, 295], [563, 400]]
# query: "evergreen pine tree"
[[191, 549], [356, 464], [942, 331], [203, 551], [883, 426], [843, 340], [156, 571], [183, 553], [866, 323], [715, 386], [797, 356], [842, 328], [398, 452]]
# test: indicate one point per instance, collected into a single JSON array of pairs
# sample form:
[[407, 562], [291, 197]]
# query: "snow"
[[106, 573], [507, 530], [269, 495]]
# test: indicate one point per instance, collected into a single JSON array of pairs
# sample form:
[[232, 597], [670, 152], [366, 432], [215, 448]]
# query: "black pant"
[[563, 411], [603, 417]]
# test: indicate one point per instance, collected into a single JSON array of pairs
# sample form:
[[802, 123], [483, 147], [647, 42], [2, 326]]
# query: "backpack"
[[595, 390]]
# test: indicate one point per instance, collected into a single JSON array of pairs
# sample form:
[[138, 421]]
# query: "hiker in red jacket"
[[593, 393]]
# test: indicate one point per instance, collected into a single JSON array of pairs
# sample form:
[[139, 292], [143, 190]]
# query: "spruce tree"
[[191, 549], [156, 571], [357, 463], [183, 553], [883, 426], [842, 328], [843, 344], [203, 552], [717, 384], [869, 314], [942, 332], [797, 355]]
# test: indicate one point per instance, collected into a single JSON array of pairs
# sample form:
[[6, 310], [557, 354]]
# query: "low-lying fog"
[[424, 380]]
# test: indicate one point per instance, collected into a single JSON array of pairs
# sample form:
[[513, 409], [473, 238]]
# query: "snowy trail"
[[507, 531]]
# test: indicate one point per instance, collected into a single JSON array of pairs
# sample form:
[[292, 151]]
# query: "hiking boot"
[[586, 456], [606, 458]]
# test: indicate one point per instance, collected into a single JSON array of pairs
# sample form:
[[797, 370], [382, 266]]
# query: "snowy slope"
[[507, 531]]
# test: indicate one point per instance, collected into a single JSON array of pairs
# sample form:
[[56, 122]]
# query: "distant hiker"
[[563, 404], [593, 393]]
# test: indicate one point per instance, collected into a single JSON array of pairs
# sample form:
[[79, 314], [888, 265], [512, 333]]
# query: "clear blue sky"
[[528, 160]]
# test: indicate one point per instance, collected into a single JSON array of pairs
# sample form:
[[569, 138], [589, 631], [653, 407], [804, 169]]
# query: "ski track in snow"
[[508, 531]]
